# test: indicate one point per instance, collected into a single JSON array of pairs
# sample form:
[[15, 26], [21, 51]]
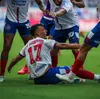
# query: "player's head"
[[38, 30], [57, 2]]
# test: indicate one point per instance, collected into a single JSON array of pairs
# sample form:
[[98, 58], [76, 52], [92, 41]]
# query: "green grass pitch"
[[18, 87]]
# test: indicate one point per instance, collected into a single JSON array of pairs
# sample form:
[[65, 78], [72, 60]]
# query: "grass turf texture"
[[18, 87]]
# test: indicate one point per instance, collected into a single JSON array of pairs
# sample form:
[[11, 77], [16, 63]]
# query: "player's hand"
[[46, 12], [54, 15]]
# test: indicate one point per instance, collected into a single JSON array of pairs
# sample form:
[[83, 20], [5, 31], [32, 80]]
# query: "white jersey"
[[69, 19], [17, 10], [37, 52]]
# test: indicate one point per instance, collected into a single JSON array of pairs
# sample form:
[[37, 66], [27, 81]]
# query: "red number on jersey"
[[37, 49]]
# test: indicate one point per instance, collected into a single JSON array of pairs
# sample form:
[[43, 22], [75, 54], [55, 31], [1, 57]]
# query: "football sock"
[[96, 77], [77, 64], [54, 60], [85, 74], [75, 56]]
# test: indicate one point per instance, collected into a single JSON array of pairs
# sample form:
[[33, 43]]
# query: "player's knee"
[[85, 48]]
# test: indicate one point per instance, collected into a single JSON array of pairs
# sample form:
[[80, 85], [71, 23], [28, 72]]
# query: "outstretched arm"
[[66, 46], [58, 13], [78, 3], [14, 61], [40, 5]]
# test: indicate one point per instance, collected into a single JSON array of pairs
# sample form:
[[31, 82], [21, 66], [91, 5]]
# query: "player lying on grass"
[[37, 52]]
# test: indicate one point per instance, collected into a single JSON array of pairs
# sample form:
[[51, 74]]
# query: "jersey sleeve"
[[66, 4], [50, 43], [22, 52]]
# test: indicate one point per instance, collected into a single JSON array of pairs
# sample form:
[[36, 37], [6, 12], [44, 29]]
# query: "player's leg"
[[9, 32], [84, 74], [91, 40], [50, 75], [82, 34], [24, 31], [59, 37], [73, 36], [89, 43], [54, 55]]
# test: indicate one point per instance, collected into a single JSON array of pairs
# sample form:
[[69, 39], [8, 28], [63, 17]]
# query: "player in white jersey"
[[92, 40], [48, 22], [37, 52], [16, 19], [66, 22]]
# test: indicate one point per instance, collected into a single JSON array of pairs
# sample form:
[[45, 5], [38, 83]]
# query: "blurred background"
[[87, 16]]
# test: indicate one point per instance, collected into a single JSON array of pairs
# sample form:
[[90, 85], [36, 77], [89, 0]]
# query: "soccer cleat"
[[79, 80], [24, 70], [1, 78], [82, 80], [99, 80], [64, 78]]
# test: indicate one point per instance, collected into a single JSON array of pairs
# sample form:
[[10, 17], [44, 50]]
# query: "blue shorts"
[[11, 27], [93, 37], [49, 25], [50, 76], [72, 34]]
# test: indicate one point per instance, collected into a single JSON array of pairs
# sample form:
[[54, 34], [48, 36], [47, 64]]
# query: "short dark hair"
[[34, 28]]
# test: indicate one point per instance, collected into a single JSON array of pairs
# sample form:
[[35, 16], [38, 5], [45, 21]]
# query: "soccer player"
[[48, 22], [66, 22], [92, 40], [37, 52], [16, 19]]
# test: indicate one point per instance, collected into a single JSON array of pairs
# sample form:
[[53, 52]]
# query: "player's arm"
[[40, 5], [14, 61], [78, 3], [66, 46], [64, 8], [58, 13]]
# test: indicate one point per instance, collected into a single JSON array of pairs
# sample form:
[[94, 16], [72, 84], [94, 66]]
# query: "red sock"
[[54, 60], [3, 67], [85, 74], [75, 56], [77, 64]]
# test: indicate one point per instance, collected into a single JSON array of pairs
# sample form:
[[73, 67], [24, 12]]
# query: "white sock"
[[96, 77]]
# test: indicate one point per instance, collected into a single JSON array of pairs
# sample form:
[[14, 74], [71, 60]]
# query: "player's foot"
[[65, 78], [79, 80], [1, 78], [82, 80], [24, 70], [99, 79]]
